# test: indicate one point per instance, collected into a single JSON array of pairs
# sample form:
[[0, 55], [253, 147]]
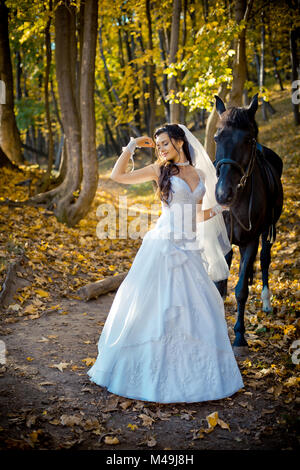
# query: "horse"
[[249, 184]]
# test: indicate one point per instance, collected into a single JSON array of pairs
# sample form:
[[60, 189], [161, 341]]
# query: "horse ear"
[[252, 108], [220, 106]]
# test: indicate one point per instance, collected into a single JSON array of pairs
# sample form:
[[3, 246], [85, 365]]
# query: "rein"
[[245, 175]]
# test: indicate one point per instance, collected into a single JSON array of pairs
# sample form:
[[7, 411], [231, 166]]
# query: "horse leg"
[[248, 255], [222, 285], [265, 260]]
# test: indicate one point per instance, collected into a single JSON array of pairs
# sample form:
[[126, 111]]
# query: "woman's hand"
[[144, 141]]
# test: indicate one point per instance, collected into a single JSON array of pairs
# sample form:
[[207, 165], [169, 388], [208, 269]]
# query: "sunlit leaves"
[[206, 62]]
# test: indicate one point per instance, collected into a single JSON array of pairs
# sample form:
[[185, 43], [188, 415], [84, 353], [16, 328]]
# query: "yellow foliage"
[[89, 361]]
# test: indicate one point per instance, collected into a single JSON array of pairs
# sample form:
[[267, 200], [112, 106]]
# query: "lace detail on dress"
[[194, 361]]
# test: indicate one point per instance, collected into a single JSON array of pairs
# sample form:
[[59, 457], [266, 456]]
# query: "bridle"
[[242, 183], [245, 174]]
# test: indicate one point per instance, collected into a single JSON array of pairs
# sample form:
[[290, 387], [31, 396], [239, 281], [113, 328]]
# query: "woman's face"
[[165, 147]]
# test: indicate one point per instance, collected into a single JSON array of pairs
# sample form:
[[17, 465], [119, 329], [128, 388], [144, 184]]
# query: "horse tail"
[[272, 233], [251, 274], [271, 237]]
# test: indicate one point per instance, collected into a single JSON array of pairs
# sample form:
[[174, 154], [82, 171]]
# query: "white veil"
[[211, 234]]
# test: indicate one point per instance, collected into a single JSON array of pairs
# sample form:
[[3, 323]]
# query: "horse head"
[[235, 149]]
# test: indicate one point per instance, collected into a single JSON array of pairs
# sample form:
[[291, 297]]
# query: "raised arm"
[[147, 173]]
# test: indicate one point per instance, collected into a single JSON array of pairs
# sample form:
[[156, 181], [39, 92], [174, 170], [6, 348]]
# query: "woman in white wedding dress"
[[165, 339]]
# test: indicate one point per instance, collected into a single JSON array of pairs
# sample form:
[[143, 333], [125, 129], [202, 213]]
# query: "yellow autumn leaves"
[[89, 361], [213, 420]]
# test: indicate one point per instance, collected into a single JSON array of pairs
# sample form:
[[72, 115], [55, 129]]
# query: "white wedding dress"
[[165, 339]]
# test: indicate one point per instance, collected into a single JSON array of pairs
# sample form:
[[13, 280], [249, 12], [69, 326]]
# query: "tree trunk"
[[276, 71], [262, 69], [192, 13], [59, 151], [62, 169], [151, 72], [57, 114], [242, 11], [205, 10], [109, 84], [66, 79], [10, 140], [88, 122], [211, 124], [80, 136], [45, 181], [172, 82], [78, 48], [145, 85], [6, 162], [95, 289], [18, 75], [257, 65], [130, 56], [163, 56], [183, 109], [274, 58], [109, 133], [120, 46], [136, 102], [266, 105]]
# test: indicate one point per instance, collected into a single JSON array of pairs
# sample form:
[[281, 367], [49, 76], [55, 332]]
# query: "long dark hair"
[[169, 168]]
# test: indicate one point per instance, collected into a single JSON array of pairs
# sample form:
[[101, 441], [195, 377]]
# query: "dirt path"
[[48, 401]]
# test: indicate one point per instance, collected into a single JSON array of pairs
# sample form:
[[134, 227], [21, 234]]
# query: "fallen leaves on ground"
[[213, 420], [89, 361], [61, 366], [111, 440], [146, 420]]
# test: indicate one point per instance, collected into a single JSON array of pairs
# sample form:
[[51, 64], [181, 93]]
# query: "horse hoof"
[[265, 297], [267, 309], [240, 351]]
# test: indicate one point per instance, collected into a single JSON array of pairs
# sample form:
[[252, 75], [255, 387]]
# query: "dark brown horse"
[[249, 183]]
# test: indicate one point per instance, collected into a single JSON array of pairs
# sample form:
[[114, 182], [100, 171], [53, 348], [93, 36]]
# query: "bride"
[[165, 338]]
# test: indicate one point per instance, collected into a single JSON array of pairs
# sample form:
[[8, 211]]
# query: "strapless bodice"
[[178, 219], [181, 192]]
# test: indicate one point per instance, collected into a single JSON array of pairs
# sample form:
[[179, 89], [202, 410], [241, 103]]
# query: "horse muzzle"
[[225, 195]]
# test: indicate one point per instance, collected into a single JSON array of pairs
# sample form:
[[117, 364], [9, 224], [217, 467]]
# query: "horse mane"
[[238, 118]]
